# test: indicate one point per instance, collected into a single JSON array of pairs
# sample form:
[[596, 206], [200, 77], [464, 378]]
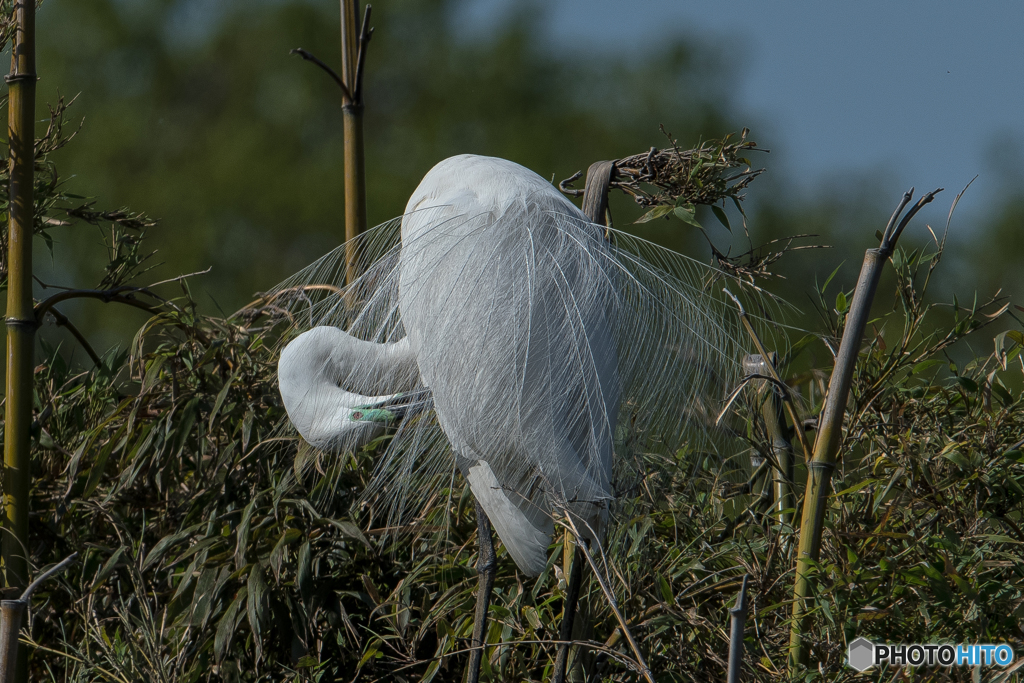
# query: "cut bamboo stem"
[[738, 619], [774, 374], [830, 427], [595, 206], [11, 614]]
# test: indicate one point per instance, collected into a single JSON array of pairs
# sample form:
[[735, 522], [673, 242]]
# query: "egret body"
[[530, 333]]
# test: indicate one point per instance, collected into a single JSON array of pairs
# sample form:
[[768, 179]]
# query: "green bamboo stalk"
[[353, 51], [574, 576], [21, 320], [830, 427]]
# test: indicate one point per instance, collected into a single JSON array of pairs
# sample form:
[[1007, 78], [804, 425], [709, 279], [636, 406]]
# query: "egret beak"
[[368, 414], [391, 408]]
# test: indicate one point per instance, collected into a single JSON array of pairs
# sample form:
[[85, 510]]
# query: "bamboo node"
[[18, 322], [18, 77]]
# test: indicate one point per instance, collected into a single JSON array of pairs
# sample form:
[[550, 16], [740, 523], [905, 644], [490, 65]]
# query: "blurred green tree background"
[[195, 113]]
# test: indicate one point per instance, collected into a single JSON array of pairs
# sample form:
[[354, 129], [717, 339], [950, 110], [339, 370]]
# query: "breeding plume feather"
[[494, 327]]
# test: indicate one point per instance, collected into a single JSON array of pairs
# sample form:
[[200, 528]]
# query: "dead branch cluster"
[[707, 174]]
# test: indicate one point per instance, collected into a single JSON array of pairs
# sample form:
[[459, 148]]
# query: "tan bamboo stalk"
[[21, 320], [11, 613], [353, 58], [830, 426], [353, 50]]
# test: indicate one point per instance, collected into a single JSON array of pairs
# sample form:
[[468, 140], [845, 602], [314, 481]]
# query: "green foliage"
[[215, 549], [925, 531]]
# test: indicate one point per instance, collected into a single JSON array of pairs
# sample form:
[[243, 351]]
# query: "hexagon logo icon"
[[861, 654]]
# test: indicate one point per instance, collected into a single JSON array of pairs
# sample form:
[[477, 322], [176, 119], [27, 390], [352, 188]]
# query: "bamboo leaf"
[[108, 568], [666, 590], [347, 529], [304, 576], [228, 622], [184, 426], [258, 606], [925, 365], [223, 394], [656, 212], [164, 544], [721, 216], [99, 467], [152, 377], [242, 536], [246, 429], [688, 214], [199, 547]]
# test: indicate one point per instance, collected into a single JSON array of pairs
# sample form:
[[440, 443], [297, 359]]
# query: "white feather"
[[539, 341]]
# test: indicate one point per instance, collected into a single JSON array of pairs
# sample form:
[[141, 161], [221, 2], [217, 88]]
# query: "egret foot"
[[486, 566]]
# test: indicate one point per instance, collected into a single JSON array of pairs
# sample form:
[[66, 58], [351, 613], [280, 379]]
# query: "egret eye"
[[357, 415]]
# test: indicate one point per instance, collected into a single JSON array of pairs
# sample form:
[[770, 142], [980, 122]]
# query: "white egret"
[[542, 348]]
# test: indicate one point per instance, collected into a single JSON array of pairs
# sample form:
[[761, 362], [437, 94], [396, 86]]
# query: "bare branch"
[[310, 57], [63, 321], [61, 566], [365, 33]]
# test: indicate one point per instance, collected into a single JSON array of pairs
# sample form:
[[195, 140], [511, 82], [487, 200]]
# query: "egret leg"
[[572, 595], [486, 565]]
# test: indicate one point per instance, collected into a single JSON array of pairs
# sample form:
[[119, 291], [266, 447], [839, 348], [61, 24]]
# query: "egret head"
[[327, 416]]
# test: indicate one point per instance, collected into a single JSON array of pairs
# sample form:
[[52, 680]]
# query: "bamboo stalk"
[[21, 320], [354, 40], [786, 396], [574, 576], [11, 613], [353, 50], [738, 620], [595, 206], [830, 427], [772, 412]]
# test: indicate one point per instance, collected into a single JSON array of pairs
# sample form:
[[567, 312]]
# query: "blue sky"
[[923, 93]]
